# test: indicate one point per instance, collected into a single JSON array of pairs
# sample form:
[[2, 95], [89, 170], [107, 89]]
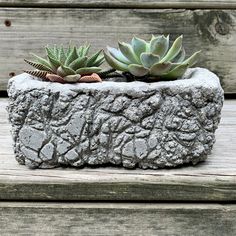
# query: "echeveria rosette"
[[153, 59], [67, 65]]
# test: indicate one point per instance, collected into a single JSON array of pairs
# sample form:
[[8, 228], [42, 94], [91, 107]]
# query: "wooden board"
[[25, 30], [124, 3], [213, 180], [108, 219]]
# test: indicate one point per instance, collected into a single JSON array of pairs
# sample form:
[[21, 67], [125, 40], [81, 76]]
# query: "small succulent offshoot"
[[67, 65], [152, 60]]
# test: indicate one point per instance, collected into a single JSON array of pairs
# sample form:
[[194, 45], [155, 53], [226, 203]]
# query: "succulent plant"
[[67, 65], [153, 59]]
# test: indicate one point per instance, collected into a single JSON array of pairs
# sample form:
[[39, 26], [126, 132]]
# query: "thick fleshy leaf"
[[115, 63], [50, 52], [180, 57], [71, 57], [55, 51], [41, 60], [54, 62], [90, 78], [99, 61], [78, 63], [176, 72], [149, 59], [193, 59], [139, 46], [174, 50], [128, 52], [160, 68], [55, 78], [88, 70], [93, 58], [118, 55], [72, 78], [138, 70], [85, 50], [38, 73], [64, 71], [62, 55], [38, 66], [159, 45]]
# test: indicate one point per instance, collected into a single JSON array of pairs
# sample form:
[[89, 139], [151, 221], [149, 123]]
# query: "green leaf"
[[71, 57], [72, 78], [174, 50], [180, 57], [159, 45], [178, 71], [99, 61], [149, 59], [93, 58], [54, 62], [62, 55], [50, 52], [128, 52], [118, 55], [193, 59], [115, 63], [41, 60], [64, 71], [88, 70], [78, 63], [138, 70], [139, 46], [160, 68]]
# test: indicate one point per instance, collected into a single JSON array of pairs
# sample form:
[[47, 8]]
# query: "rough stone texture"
[[155, 125]]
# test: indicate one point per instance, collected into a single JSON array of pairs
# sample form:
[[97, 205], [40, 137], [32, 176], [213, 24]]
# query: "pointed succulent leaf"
[[115, 63], [138, 70], [180, 57], [118, 55], [54, 62], [78, 63], [93, 58], [178, 71], [50, 52], [128, 52], [71, 57], [41, 60], [174, 50], [64, 71], [193, 59], [160, 68], [72, 78], [86, 50], [56, 51], [88, 70], [149, 59], [159, 45], [62, 55], [99, 61], [38, 65], [139, 46]]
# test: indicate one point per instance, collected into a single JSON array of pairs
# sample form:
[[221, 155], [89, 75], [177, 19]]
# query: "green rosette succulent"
[[153, 59], [67, 65]]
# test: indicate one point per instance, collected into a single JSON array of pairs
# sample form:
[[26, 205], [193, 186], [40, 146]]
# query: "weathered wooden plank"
[[213, 180], [230, 4], [117, 219], [213, 31]]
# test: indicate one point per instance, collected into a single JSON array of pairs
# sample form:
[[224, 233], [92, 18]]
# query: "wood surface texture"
[[24, 30], [108, 219], [230, 4], [209, 181]]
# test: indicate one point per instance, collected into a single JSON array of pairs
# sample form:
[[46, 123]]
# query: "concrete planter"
[[148, 125]]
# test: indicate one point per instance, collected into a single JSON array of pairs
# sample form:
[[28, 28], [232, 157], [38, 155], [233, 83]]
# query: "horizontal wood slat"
[[117, 219], [24, 30], [212, 180], [191, 4]]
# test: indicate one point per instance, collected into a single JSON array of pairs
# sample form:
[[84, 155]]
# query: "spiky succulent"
[[67, 65], [153, 59]]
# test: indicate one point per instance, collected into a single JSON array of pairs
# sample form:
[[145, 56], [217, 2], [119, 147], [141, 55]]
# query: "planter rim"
[[193, 78]]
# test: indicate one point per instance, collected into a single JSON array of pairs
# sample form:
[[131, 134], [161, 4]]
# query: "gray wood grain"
[[212, 31], [117, 219], [212, 180], [191, 4]]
